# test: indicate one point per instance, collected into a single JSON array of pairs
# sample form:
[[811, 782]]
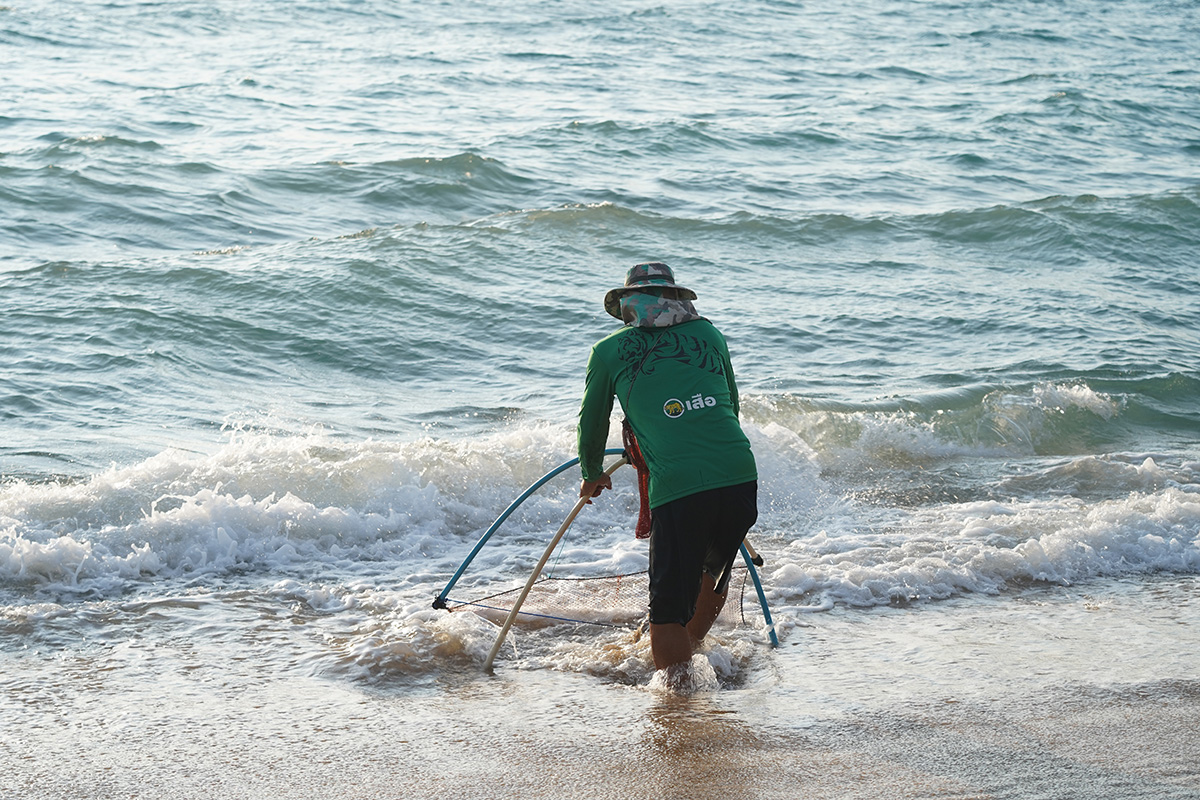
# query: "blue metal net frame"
[[443, 600]]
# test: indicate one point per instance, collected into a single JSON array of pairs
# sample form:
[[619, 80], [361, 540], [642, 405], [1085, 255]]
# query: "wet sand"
[[1138, 743], [1047, 696]]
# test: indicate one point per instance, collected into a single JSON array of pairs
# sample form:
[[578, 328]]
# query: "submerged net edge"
[[613, 601]]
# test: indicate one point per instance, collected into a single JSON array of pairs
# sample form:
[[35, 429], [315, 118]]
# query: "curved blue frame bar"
[[440, 600], [762, 597]]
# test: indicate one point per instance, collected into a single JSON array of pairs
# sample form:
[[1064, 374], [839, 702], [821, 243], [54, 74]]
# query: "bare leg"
[[673, 644], [670, 644], [708, 606]]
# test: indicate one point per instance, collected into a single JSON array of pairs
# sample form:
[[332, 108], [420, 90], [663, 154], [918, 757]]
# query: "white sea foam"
[[988, 547], [260, 501], [362, 535], [1003, 423], [1059, 397], [412, 644]]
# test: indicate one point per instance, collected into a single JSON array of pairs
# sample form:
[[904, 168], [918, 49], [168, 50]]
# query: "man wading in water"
[[670, 369]]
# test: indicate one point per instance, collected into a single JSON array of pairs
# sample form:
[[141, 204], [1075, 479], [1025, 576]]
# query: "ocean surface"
[[296, 298]]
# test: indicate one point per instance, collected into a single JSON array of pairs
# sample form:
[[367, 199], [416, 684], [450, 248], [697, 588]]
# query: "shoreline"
[[969, 699]]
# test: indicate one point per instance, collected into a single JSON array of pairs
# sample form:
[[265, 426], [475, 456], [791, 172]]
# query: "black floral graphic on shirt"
[[646, 349]]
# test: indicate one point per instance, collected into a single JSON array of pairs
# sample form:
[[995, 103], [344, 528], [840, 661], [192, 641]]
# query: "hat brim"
[[612, 300]]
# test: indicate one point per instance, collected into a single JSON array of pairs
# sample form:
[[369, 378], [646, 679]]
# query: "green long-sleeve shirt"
[[677, 390]]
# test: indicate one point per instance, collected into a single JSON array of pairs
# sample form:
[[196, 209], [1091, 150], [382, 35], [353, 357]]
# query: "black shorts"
[[697, 534]]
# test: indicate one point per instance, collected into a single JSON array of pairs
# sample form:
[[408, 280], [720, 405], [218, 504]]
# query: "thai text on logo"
[[674, 408]]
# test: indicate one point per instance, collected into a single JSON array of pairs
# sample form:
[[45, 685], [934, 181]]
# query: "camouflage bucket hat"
[[652, 275]]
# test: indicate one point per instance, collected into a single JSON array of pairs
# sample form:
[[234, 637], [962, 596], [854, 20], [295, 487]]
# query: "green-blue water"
[[297, 297]]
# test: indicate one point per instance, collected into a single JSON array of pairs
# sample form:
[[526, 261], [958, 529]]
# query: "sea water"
[[296, 299]]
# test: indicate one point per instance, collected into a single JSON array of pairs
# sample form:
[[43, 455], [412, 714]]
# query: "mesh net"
[[614, 601]]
